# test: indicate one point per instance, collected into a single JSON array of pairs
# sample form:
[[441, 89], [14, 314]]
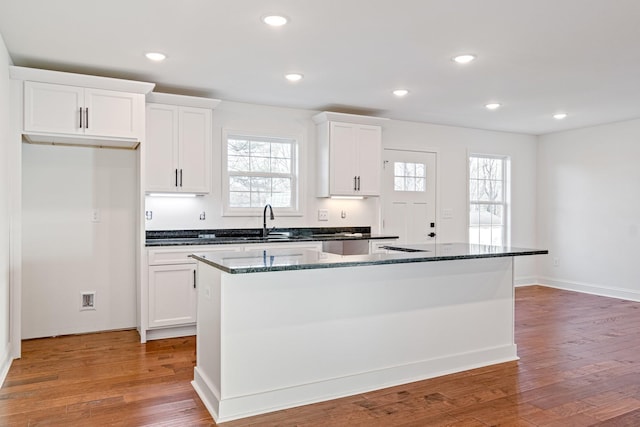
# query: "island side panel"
[[295, 337], [207, 373]]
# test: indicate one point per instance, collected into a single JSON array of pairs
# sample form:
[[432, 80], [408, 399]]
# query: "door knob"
[[432, 234]]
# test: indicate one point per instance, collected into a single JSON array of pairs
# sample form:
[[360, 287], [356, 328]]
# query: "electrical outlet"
[[87, 300], [323, 215], [95, 215], [556, 262]]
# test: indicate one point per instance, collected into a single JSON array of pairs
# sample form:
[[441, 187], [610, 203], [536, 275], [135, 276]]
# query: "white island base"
[[278, 339]]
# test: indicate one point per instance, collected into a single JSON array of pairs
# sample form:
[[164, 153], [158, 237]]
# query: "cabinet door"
[[112, 113], [161, 148], [195, 150], [369, 160], [342, 158], [172, 295], [52, 108]]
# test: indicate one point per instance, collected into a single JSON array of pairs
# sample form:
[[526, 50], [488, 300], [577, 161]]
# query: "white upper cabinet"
[[178, 145], [79, 109], [71, 110], [350, 155]]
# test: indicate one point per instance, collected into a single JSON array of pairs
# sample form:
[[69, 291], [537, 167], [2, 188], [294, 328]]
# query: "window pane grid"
[[487, 200], [409, 176], [261, 171]]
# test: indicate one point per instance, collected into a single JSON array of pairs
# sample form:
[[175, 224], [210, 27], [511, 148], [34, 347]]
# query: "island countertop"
[[291, 259]]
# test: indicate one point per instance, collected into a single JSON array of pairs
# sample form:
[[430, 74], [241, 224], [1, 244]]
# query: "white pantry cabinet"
[[73, 110], [178, 146], [350, 155]]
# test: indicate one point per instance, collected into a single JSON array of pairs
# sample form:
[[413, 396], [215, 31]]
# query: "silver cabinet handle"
[[358, 183], [176, 177], [355, 183], [80, 117], [180, 177], [86, 115]]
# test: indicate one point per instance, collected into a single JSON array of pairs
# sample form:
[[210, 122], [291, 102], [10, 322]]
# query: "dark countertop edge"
[[248, 270], [255, 232], [230, 241]]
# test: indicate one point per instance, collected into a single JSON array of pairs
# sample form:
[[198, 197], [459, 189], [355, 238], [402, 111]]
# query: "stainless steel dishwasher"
[[346, 247]]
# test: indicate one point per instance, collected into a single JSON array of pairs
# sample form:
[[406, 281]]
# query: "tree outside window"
[[488, 200], [260, 170]]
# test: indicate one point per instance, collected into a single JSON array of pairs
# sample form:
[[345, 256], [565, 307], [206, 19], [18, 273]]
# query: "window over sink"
[[260, 170]]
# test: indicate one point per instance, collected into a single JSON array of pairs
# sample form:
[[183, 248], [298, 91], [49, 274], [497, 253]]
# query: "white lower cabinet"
[[172, 295]]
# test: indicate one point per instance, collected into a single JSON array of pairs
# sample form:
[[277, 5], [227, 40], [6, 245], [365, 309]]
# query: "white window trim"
[[506, 190], [299, 194]]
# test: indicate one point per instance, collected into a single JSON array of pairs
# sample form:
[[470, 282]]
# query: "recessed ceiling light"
[[275, 20], [400, 92], [560, 116], [493, 106], [294, 77], [156, 56], [464, 59]]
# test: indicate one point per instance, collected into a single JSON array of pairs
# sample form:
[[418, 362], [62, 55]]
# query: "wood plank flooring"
[[579, 366]]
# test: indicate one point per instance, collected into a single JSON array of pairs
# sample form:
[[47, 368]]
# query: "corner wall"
[[5, 347], [589, 209]]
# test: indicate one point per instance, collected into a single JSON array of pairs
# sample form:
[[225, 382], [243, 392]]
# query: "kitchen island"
[[282, 328]]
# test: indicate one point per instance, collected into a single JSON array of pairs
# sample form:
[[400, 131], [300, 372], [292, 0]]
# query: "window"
[[260, 170], [409, 176], [488, 197]]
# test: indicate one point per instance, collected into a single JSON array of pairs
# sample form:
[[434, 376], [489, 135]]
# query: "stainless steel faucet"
[[265, 231]]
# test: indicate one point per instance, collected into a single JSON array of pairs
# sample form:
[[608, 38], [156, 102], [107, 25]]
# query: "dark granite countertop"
[[254, 235], [291, 259]]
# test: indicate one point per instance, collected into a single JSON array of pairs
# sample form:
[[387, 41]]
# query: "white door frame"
[[15, 219]]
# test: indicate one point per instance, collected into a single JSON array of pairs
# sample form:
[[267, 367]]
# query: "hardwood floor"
[[579, 366]]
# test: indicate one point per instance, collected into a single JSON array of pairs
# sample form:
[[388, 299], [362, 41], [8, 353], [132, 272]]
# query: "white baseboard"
[[176, 332], [590, 288], [228, 409], [525, 281], [5, 364]]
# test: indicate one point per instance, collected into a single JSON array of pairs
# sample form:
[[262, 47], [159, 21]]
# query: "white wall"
[[64, 252], [451, 143], [589, 209], [5, 133]]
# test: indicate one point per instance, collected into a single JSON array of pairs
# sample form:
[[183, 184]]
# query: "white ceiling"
[[536, 57]]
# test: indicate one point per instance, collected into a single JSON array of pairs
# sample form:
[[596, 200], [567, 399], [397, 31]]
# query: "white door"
[[409, 195], [52, 108], [161, 146], [172, 295], [112, 113], [344, 152], [369, 153], [195, 150]]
